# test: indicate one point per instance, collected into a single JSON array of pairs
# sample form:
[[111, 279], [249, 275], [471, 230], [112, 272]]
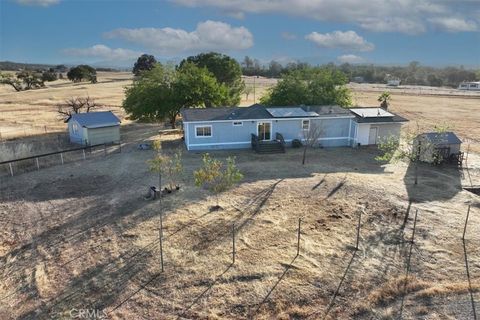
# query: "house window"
[[306, 124], [75, 128], [203, 131], [238, 123]]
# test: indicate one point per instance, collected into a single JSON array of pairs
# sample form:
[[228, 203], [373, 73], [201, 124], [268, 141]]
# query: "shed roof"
[[258, 111], [96, 119], [440, 138]]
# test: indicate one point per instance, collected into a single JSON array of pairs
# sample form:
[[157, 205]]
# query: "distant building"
[[93, 128], [393, 82], [358, 79], [469, 86]]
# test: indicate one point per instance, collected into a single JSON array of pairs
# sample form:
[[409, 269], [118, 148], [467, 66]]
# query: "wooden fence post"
[[38, 165], [61, 157], [358, 230], [466, 222], [161, 218], [233, 243], [298, 236], [11, 169]]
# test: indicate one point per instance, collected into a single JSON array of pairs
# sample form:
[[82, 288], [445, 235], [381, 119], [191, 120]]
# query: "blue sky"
[[433, 32]]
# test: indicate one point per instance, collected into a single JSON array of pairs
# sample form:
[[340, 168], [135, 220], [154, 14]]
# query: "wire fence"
[[44, 160], [28, 131]]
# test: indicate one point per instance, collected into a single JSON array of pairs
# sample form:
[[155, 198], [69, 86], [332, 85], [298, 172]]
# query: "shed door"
[[372, 137]]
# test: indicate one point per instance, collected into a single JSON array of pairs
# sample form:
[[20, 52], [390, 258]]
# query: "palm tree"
[[384, 98]]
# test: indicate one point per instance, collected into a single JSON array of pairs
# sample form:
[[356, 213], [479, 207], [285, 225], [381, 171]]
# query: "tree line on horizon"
[[412, 74]]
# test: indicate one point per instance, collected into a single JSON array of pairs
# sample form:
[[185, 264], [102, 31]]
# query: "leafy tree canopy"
[[162, 92], [144, 63], [225, 69], [82, 72], [216, 176], [310, 86]]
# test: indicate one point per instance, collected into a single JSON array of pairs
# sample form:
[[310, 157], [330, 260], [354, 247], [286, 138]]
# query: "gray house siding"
[[102, 135], [387, 130], [225, 135]]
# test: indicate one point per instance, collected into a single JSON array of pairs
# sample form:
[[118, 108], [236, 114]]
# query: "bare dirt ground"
[[81, 236]]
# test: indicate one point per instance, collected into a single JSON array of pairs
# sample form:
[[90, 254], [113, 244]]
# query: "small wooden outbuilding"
[[94, 128], [437, 147]]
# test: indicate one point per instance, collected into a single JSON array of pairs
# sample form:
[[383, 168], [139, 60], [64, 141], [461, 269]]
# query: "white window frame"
[[308, 121], [237, 123], [204, 126], [75, 128]]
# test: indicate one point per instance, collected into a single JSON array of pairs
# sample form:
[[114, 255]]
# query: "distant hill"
[[16, 66]]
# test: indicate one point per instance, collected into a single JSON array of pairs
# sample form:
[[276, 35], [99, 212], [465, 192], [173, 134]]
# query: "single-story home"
[[437, 146], [237, 127], [93, 128]]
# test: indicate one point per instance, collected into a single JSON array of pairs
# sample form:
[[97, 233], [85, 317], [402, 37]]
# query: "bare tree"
[[310, 137], [76, 105]]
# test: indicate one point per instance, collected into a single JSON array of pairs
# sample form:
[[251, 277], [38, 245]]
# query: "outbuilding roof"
[[96, 119], [375, 115], [258, 111], [441, 138]]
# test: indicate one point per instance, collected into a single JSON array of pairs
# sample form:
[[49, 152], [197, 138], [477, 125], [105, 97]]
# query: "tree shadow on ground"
[[217, 231], [441, 182]]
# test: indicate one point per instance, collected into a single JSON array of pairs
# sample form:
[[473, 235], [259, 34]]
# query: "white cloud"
[[42, 3], [404, 16], [350, 58], [209, 35], [104, 52], [450, 24], [348, 40]]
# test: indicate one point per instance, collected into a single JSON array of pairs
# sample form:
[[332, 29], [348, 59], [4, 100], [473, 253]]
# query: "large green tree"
[[160, 93], [310, 86], [144, 62], [82, 72], [226, 70]]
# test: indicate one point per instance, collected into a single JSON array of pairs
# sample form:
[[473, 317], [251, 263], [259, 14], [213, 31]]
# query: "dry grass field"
[[35, 111], [81, 236]]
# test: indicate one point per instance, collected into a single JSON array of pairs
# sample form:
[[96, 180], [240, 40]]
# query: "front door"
[[264, 130], [372, 137]]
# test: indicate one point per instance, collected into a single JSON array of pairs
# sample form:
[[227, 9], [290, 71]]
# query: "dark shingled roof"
[[96, 119], [439, 138], [255, 111]]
